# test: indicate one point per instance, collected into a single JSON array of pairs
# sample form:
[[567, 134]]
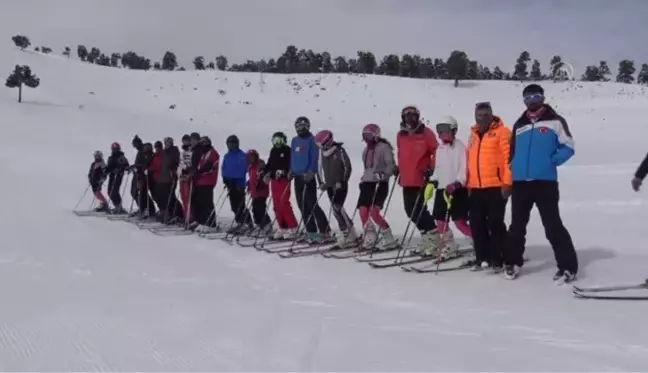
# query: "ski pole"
[[384, 212], [448, 200], [418, 218], [310, 215], [265, 212], [330, 212], [82, 197]]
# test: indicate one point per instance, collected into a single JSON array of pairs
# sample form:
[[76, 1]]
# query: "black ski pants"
[[312, 214], [167, 201], [202, 205], [487, 210], [416, 209], [337, 198], [545, 195], [140, 194], [114, 186], [260, 212], [237, 204]]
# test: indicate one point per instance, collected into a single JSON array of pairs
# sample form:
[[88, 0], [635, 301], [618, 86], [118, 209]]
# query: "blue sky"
[[492, 31]]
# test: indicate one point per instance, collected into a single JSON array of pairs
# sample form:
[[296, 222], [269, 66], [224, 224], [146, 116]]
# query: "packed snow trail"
[[90, 294]]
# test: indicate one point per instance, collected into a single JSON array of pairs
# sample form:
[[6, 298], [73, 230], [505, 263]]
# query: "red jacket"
[[208, 168], [155, 166], [415, 156], [256, 186]]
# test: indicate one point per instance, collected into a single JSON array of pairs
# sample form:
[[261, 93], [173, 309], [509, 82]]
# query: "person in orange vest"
[[489, 184]]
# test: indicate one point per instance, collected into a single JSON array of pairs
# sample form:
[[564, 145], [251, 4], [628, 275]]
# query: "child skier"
[[115, 168], [204, 177], [96, 178], [277, 170], [379, 166], [450, 174], [259, 192], [334, 173], [234, 172], [304, 158]]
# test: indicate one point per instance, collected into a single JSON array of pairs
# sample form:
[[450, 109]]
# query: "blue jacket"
[[234, 169], [538, 148], [304, 155]]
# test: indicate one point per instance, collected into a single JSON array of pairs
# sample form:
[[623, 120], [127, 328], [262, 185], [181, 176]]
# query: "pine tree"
[[604, 72], [199, 63], [21, 41], [22, 75], [93, 55], [221, 63], [521, 72], [642, 78], [591, 74], [626, 72], [498, 74], [114, 59], [556, 64], [82, 52], [536, 74], [211, 65], [169, 61], [457, 66]]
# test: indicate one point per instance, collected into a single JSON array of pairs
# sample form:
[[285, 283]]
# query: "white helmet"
[[449, 120]]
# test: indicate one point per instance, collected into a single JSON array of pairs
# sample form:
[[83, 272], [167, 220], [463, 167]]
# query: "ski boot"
[[387, 240], [564, 277], [449, 248], [103, 207], [347, 239], [278, 234], [369, 239], [431, 243], [511, 272]]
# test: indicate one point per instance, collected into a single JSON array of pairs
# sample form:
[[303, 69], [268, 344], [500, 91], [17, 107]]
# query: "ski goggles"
[[443, 127], [533, 98], [278, 141]]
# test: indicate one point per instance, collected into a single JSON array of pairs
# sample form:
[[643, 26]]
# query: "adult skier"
[[489, 183], [259, 191], [96, 179], [115, 167], [204, 178], [234, 171], [334, 173], [277, 171], [166, 183], [139, 186], [450, 174], [417, 146], [304, 161], [541, 142], [379, 166], [183, 177]]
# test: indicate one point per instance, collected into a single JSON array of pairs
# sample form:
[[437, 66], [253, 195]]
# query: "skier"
[[96, 178], [153, 174], [166, 182], [139, 186], [183, 172], [304, 160], [259, 192], [489, 183], [379, 166], [334, 173], [234, 171], [115, 168], [540, 143], [450, 175], [416, 146], [277, 170], [204, 178]]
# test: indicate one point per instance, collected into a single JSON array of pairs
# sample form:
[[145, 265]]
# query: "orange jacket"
[[488, 156], [415, 156]]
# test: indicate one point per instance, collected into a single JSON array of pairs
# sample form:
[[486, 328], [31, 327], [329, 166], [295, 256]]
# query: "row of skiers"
[[473, 183]]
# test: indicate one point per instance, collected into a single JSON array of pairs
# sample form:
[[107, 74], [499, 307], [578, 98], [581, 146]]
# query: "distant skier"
[[489, 183], [334, 173], [277, 170], [234, 171], [417, 146], [304, 160], [183, 177], [139, 185], [259, 191], [166, 183], [204, 178], [379, 166], [541, 142], [96, 179], [450, 174], [116, 166]]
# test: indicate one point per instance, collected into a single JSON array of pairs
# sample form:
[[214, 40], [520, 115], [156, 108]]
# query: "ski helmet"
[[302, 125], [447, 124], [371, 133], [324, 139], [98, 154], [115, 146], [410, 118], [279, 139]]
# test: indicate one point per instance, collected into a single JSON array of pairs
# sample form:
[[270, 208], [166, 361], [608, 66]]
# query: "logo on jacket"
[[298, 148], [544, 130]]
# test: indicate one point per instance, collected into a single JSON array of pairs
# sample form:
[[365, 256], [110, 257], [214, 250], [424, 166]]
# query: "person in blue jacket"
[[234, 173], [540, 142], [304, 161]]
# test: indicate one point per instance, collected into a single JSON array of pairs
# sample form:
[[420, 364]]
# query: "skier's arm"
[[346, 165], [565, 143], [390, 162], [313, 157], [505, 151], [461, 172]]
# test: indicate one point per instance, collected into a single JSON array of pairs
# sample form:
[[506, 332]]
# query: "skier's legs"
[[319, 217], [277, 190], [522, 201], [479, 224], [337, 198], [496, 225]]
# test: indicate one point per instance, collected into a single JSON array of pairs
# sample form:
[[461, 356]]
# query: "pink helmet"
[[324, 139], [371, 132]]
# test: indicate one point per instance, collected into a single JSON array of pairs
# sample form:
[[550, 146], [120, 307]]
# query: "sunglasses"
[[533, 98]]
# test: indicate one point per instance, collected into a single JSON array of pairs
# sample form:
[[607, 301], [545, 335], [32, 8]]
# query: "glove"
[[396, 171], [309, 176], [428, 192], [636, 184], [506, 192], [279, 174], [428, 173], [451, 188], [323, 186], [266, 178], [379, 176], [338, 186]]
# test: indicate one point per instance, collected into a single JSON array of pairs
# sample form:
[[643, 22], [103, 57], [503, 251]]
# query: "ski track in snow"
[[94, 295]]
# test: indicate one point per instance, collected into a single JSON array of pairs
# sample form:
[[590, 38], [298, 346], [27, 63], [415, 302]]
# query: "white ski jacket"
[[450, 164]]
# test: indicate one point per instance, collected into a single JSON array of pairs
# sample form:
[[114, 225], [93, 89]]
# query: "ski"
[[608, 296], [84, 214], [432, 268], [171, 232], [599, 289], [381, 258], [417, 259], [307, 250]]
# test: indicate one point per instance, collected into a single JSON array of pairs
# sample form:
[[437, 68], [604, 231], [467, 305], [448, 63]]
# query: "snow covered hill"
[[89, 294]]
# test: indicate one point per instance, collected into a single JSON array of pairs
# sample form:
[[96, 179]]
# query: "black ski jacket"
[[279, 159]]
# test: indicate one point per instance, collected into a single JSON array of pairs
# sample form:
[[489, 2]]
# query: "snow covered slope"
[[89, 294]]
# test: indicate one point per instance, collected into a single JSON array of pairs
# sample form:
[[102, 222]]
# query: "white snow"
[[90, 294]]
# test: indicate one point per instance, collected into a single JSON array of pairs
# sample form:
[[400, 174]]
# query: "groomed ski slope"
[[90, 294]]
